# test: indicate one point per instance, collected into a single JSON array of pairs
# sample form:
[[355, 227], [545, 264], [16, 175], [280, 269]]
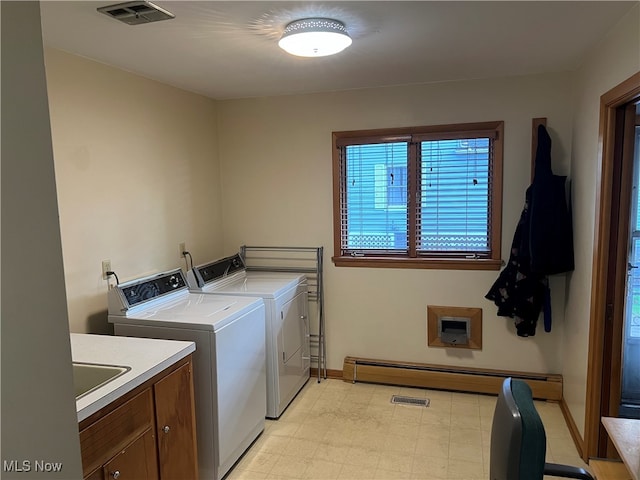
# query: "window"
[[422, 197]]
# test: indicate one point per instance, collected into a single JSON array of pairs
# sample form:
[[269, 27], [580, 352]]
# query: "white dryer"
[[287, 324], [229, 361]]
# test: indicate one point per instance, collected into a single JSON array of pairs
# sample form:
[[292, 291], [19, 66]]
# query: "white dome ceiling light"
[[314, 37]]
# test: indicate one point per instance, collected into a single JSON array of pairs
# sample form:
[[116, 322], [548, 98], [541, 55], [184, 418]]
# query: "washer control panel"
[[143, 290], [220, 268]]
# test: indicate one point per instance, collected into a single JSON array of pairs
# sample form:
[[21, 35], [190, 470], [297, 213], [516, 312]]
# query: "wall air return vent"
[[135, 13]]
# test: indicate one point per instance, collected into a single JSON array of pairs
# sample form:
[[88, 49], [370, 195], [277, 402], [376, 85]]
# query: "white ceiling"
[[229, 49]]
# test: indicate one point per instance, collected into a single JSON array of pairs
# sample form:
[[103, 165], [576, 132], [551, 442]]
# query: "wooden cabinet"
[[175, 423], [147, 434], [136, 461]]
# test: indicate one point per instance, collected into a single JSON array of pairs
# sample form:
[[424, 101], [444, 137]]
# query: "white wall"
[[39, 421], [275, 156], [137, 173], [614, 60]]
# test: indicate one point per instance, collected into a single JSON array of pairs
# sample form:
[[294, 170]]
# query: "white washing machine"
[[287, 324], [229, 361]]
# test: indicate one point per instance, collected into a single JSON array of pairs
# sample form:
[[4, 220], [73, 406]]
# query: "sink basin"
[[89, 376]]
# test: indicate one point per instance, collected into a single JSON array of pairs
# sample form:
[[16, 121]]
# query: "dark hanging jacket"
[[542, 245], [550, 223], [518, 292]]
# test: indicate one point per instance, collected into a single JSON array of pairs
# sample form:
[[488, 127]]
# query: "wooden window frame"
[[492, 261]]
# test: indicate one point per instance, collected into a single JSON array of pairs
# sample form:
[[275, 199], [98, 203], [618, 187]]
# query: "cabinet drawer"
[[101, 440]]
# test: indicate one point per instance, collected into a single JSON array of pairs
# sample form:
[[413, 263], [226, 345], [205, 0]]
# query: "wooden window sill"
[[427, 263]]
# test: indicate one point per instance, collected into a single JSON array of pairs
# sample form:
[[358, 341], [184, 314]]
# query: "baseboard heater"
[[460, 379]]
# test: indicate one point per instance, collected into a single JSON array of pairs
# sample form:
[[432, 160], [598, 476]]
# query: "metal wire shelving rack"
[[306, 260]]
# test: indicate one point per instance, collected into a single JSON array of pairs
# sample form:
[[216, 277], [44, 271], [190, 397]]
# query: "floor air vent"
[[417, 402], [136, 13]]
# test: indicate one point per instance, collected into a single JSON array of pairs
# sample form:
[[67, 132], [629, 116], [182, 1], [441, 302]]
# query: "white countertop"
[[145, 356]]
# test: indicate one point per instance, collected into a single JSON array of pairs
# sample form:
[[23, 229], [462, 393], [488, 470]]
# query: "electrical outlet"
[[106, 267], [183, 248]]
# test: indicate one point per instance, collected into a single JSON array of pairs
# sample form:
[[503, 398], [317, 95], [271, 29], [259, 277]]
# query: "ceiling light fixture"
[[314, 37]]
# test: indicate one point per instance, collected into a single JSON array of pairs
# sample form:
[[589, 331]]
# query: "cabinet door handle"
[[166, 429], [116, 474]]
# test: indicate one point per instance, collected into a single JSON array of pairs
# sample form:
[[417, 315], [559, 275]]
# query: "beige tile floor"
[[339, 430]]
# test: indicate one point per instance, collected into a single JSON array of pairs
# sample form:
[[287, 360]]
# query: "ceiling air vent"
[[135, 13]]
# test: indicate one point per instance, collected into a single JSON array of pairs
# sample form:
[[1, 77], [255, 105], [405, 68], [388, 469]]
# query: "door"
[[614, 226], [137, 461], [621, 288], [176, 425], [293, 347], [629, 404], [620, 281]]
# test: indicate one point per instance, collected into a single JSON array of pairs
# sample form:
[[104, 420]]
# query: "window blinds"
[[375, 207], [450, 180], [453, 210]]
